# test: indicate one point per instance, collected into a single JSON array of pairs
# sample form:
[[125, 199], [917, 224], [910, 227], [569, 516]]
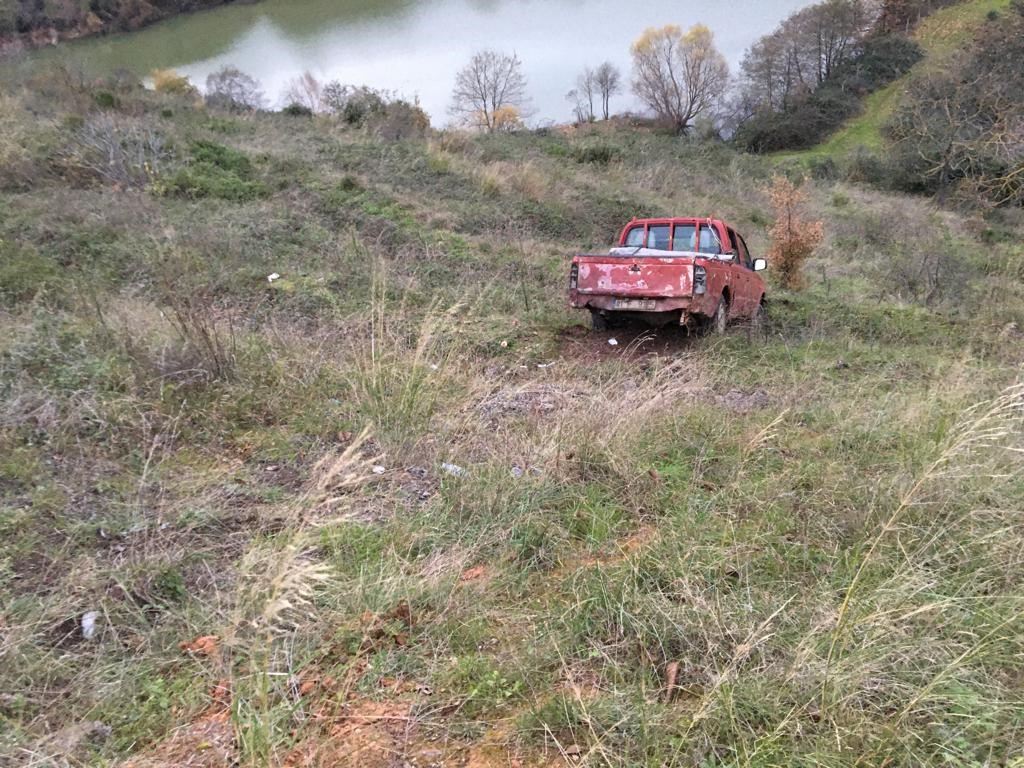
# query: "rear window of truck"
[[635, 237], [684, 238], [708, 240], [657, 237]]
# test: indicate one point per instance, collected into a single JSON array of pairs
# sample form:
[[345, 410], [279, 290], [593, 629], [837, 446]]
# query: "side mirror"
[[760, 264]]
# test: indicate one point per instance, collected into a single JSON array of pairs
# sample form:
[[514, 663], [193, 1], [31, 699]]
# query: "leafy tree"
[[680, 76], [486, 87]]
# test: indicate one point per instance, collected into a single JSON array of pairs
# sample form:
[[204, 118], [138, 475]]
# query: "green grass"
[[812, 534]]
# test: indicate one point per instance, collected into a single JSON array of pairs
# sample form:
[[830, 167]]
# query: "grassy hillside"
[[939, 35], [230, 537]]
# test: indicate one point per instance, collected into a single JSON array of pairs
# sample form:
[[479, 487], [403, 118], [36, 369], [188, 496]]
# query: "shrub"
[[400, 120], [24, 273], [225, 158], [106, 100], [18, 167], [231, 89], [353, 104], [116, 150], [802, 126], [600, 154], [170, 82], [882, 59], [297, 110], [793, 239], [215, 171]]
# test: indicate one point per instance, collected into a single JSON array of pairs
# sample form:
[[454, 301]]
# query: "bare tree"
[[586, 85], [305, 91], [580, 112], [608, 80], [485, 88], [230, 88], [806, 49], [680, 76]]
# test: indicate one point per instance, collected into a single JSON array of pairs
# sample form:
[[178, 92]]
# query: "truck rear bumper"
[[691, 305]]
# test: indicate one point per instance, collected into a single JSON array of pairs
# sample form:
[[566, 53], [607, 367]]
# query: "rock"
[[89, 624], [379, 470], [613, 342], [453, 469]]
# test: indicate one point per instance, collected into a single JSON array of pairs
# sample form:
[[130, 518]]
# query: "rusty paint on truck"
[[671, 282]]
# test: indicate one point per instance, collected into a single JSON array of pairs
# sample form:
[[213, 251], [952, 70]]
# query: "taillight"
[[574, 275], [700, 279]]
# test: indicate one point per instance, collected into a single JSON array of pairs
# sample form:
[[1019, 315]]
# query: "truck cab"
[[695, 272]]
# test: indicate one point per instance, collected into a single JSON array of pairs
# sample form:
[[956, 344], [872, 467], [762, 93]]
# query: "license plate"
[[634, 303]]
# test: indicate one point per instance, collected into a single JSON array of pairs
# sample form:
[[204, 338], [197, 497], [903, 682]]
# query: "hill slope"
[[939, 35], [304, 462]]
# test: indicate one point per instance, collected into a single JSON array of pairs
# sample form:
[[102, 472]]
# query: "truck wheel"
[[721, 318], [598, 321], [758, 320]]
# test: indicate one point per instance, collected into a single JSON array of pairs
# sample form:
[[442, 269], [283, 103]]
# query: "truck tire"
[[721, 319], [757, 320], [598, 322]]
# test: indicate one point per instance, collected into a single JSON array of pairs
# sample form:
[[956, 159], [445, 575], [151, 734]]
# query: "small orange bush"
[[793, 239], [169, 81]]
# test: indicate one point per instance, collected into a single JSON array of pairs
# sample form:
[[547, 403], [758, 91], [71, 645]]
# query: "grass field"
[[802, 548]]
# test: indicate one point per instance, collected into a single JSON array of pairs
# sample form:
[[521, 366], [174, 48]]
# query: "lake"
[[415, 47]]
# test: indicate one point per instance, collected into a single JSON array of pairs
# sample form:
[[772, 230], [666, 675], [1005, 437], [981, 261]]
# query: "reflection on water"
[[415, 47]]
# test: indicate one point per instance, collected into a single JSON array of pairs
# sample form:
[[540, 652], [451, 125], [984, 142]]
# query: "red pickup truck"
[[694, 272]]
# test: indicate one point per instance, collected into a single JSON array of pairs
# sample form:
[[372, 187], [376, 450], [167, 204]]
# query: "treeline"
[[800, 82], [31, 18]]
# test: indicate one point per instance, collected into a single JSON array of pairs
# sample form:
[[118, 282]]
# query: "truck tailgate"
[[645, 276]]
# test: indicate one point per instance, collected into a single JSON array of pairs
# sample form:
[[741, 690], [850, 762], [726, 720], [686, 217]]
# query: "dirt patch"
[[526, 400], [206, 742], [744, 402], [478, 573], [632, 340], [367, 734]]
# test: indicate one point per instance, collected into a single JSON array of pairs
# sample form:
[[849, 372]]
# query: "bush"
[[882, 60], [24, 273], [793, 240], [170, 82], [106, 100], [114, 149], [18, 166], [804, 125], [353, 104], [225, 158], [400, 120], [215, 171], [297, 110], [600, 154], [231, 89]]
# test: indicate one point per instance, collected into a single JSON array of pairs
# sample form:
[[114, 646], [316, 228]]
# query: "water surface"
[[415, 47]]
